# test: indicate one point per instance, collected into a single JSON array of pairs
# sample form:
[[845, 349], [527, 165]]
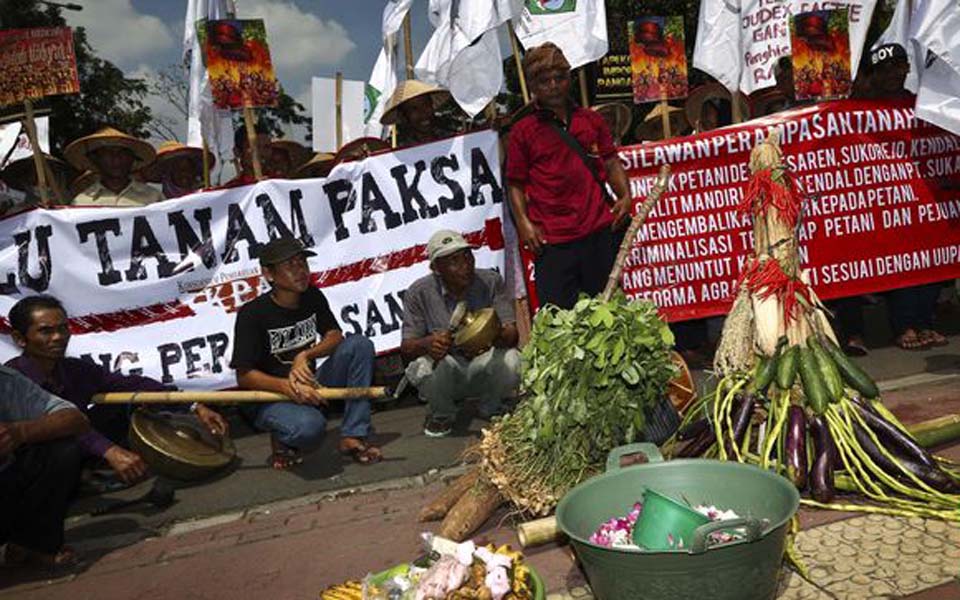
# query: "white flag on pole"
[[578, 27], [204, 120], [377, 91], [717, 49], [938, 99], [933, 27], [324, 108], [393, 14]]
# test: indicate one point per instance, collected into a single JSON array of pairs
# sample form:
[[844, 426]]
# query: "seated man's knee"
[[358, 346], [304, 430], [64, 454]]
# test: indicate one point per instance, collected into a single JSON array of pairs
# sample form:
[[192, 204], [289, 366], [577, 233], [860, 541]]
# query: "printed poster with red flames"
[[238, 63], [821, 54], [658, 59], [35, 63]]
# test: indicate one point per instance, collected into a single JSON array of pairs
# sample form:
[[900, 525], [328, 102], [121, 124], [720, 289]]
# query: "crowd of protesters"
[[569, 199]]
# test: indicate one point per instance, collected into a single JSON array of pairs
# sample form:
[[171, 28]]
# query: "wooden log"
[[231, 396], [441, 505], [471, 511], [538, 532]]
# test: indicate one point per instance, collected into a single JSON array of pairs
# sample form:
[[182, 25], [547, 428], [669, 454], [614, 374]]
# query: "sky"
[[308, 38]]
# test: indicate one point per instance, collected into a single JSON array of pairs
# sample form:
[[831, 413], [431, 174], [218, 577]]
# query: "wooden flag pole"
[[338, 100], [58, 192], [39, 161], [252, 142], [231, 396], [516, 59], [393, 135], [735, 108], [665, 118], [408, 46], [206, 164], [584, 95]]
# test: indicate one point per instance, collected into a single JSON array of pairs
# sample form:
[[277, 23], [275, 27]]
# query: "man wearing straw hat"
[[178, 169], [41, 330], [21, 174], [560, 159], [413, 109], [115, 156]]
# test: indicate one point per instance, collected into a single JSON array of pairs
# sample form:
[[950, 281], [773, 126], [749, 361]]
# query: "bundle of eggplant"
[[788, 398]]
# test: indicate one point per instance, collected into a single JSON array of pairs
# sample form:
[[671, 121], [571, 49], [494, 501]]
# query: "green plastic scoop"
[[666, 524]]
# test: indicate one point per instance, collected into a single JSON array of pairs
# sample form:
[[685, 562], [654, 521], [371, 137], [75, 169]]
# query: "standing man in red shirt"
[[559, 161]]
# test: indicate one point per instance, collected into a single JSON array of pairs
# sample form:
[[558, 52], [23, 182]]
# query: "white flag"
[[204, 120], [938, 99], [377, 92], [935, 25], [324, 105], [393, 14], [578, 27], [717, 49]]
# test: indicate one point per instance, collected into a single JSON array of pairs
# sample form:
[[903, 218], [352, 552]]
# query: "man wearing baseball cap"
[[445, 375], [277, 339]]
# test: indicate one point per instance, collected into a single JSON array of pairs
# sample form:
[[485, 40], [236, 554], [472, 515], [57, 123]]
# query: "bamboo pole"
[[54, 184], [408, 46], [338, 99], [665, 119], [231, 396], [39, 160], [206, 164], [538, 532], [393, 135], [735, 108], [252, 142], [584, 93], [517, 60], [613, 281]]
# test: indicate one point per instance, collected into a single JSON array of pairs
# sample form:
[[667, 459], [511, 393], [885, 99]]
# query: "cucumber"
[[813, 387], [851, 372], [766, 370], [828, 370], [787, 367]]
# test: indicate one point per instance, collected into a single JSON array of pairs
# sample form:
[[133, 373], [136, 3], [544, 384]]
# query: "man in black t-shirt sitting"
[[277, 339]]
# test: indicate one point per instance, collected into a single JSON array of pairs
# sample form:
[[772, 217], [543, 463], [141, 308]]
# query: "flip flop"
[[283, 457], [362, 453], [932, 337], [909, 340], [855, 347]]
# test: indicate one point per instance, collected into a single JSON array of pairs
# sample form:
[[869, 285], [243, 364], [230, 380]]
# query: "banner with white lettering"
[[883, 208], [155, 290]]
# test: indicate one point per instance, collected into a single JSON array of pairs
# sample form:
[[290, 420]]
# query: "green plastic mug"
[[666, 524]]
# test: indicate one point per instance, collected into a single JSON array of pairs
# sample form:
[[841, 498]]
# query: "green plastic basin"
[[746, 569]]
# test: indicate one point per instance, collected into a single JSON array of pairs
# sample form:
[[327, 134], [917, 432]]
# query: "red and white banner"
[[883, 207], [155, 289]]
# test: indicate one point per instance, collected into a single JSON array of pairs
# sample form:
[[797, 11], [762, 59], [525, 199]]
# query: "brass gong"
[[177, 447], [681, 389], [477, 331]]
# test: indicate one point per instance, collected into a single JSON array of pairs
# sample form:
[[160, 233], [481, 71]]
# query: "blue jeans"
[[303, 426]]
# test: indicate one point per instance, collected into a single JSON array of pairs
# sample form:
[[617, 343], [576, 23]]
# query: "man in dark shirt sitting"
[[444, 375], [277, 339], [41, 330], [39, 470]]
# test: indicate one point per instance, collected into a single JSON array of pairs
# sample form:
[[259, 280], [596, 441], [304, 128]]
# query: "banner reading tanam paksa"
[[155, 290]]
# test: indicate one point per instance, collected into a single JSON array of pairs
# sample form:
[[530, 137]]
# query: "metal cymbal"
[[175, 447], [478, 330]]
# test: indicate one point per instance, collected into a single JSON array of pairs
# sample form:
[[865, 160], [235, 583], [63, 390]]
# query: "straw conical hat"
[[299, 154], [16, 172], [82, 182], [711, 91], [359, 148], [318, 166], [408, 90], [761, 101], [618, 117], [172, 149], [78, 151], [652, 128]]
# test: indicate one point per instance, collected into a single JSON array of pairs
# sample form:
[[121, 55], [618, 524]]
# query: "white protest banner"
[[765, 35], [155, 289], [352, 113]]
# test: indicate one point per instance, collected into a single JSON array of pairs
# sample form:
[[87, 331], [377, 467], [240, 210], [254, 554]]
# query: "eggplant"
[[893, 439], [934, 477], [741, 419], [694, 429], [699, 445], [821, 476], [795, 447]]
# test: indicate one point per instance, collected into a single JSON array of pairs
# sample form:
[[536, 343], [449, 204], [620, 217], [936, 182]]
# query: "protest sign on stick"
[[658, 59], [821, 54], [35, 63]]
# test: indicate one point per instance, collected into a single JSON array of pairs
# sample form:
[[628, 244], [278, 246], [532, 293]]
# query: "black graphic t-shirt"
[[267, 337]]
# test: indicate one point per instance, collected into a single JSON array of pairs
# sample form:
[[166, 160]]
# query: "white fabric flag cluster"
[[463, 54], [740, 41], [383, 78], [204, 120], [323, 92], [578, 27]]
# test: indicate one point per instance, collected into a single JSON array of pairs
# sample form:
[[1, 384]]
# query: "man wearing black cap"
[[277, 339], [888, 70]]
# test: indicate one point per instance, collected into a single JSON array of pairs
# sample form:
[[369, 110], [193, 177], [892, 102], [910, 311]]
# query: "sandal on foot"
[[361, 453], [909, 340], [855, 347], [932, 337], [284, 457], [19, 556]]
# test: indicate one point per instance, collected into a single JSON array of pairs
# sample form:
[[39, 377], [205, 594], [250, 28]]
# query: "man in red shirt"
[[559, 161]]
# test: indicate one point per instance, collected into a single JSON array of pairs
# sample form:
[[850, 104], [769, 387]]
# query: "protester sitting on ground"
[[560, 158], [243, 156], [39, 470], [286, 156], [413, 109], [41, 330], [443, 374], [178, 169], [277, 339], [317, 167], [115, 156], [21, 174]]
